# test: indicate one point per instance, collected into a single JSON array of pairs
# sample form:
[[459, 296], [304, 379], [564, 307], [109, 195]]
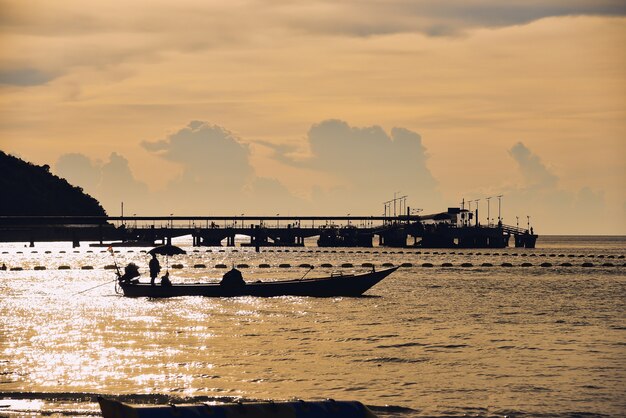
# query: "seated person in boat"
[[165, 280], [232, 278], [131, 271]]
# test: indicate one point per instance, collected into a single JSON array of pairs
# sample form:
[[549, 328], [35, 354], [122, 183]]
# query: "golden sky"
[[325, 107]]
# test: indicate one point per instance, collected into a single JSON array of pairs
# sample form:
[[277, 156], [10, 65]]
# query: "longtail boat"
[[330, 286], [297, 409]]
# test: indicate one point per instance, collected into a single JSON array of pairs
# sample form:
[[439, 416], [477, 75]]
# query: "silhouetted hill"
[[31, 190]]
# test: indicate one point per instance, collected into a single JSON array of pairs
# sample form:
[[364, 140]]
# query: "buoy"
[[177, 266], [527, 265], [467, 265], [546, 264], [367, 265], [506, 265], [326, 265], [566, 264], [48, 252], [242, 266], [587, 264], [264, 266], [284, 265], [64, 267], [347, 265], [387, 264], [110, 267], [446, 265], [427, 265], [16, 269], [86, 268], [33, 252], [486, 265], [199, 266], [39, 268], [607, 265], [305, 265], [61, 252], [406, 265]]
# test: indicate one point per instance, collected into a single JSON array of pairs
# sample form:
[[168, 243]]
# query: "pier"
[[444, 230]]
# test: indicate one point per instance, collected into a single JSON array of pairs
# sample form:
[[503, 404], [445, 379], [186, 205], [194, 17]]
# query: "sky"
[[319, 107]]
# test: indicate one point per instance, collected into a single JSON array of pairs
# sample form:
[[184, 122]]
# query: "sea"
[[508, 332]]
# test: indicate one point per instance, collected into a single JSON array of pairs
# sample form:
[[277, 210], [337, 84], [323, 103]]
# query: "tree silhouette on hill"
[[31, 190]]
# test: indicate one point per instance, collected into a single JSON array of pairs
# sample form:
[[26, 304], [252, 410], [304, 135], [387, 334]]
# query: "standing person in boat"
[[155, 268]]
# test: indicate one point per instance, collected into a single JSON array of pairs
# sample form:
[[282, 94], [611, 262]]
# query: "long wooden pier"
[[332, 231]]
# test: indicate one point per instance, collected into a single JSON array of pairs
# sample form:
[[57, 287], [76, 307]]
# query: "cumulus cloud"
[[217, 176], [111, 182], [369, 165], [551, 207], [208, 154], [535, 173]]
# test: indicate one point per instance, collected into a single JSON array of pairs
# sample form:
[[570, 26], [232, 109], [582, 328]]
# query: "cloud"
[[194, 24], [535, 173], [24, 77], [217, 176], [111, 182], [552, 208], [208, 155], [434, 17], [368, 166]]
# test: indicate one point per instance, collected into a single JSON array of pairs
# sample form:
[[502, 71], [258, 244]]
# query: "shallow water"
[[427, 341]]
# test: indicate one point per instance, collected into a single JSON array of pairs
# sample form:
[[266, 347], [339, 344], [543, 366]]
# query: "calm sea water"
[[436, 341]]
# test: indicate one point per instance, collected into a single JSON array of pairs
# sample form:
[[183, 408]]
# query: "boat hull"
[[340, 285], [295, 409]]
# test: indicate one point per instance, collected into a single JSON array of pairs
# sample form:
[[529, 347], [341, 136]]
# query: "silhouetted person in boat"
[[165, 280], [232, 278], [155, 268], [130, 272]]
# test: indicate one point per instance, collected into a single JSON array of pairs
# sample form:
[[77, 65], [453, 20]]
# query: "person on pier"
[[155, 268]]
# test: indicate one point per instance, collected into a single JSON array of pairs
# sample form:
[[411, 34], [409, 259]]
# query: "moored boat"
[[295, 409], [333, 285]]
